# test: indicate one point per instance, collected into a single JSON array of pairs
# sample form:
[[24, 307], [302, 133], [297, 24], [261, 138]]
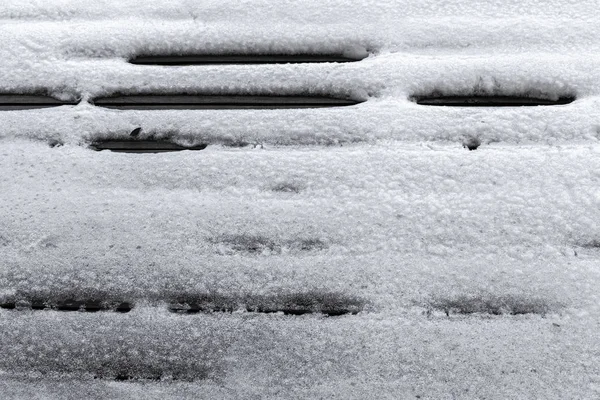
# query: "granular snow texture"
[[465, 274]]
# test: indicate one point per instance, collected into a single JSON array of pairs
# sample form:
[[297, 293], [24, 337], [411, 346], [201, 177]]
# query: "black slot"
[[210, 102], [124, 377], [69, 305], [197, 308], [142, 146], [39, 305], [10, 102], [313, 302], [490, 101], [304, 311], [207, 59], [92, 306], [285, 311], [124, 307]]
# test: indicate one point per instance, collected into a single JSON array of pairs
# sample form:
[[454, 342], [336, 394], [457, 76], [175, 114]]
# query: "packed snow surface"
[[476, 271]]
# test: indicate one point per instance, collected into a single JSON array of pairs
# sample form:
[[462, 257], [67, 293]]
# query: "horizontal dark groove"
[[204, 59], [94, 306], [150, 376], [72, 305], [210, 102], [10, 102], [125, 377], [490, 101], [295, 303], [198, 308], [142, 146], [303, 311]]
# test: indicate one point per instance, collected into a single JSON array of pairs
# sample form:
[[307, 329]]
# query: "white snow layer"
[[71, 49], [393, 210]]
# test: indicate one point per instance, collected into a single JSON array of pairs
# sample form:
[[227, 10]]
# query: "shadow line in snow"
[[489, 101], [68, 305], [300, 303], [217, 102], [216, 59], [491, 304], [141, 146], [10, 102]]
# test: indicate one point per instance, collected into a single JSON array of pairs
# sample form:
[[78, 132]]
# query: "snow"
[[79, 51], [397, 212], [308, 357]]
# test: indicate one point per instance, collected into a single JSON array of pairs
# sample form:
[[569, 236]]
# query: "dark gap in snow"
[[246, 243], [235, 143], [39, 305], [471, 143], [148, 377], [193, 303], [75, 306], [10, 102], [214, 102], [141, 146], [491, 304], [308, 244], [124, 307], [125, 377], [263, 245], [490, 101], [52, 143], [594, 244], [135, 145], [287, 187], [303, 311], [313, 302], [168, 370], [208, 59], [195, 308], [68, 305]]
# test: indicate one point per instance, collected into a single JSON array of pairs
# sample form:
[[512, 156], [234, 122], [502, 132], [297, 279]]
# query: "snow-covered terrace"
[[461, 274]]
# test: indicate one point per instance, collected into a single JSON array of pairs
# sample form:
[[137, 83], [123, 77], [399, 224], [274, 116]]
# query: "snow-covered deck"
[[377, 203]]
